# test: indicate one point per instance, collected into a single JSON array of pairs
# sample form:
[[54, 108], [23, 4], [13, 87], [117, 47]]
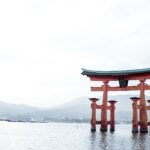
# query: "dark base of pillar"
[[112, 129], [103, 129], [135, 130], [143, 130], [93, 130]]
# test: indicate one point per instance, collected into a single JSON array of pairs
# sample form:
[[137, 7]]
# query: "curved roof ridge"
[[114, 72]]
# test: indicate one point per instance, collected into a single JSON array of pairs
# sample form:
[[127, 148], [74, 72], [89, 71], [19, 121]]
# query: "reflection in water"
[[121, 139], [140, 141], [135, 140], [103, 141], [93, 140]]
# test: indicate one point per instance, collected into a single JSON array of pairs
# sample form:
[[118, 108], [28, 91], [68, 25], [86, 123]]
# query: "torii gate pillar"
[[104, 107], [143, 109]]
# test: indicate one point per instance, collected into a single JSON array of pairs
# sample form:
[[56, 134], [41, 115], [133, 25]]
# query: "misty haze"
[[74, 75]]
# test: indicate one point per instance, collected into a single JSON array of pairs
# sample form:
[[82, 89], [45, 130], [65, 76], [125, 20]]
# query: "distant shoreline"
[[20, 121]]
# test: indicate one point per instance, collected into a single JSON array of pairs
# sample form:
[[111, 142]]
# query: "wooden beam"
[[147, 123], [99, 122], [116, 78], [128, 88], [100, 107], [148, 107]]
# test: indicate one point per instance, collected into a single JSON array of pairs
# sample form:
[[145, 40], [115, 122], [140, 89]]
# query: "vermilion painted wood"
[[143, 110], [104, 108], [148, 107], [93, 118], [128, 88], [100, 107], [115, 78], [112, 115], [135, 116], [99, 122]]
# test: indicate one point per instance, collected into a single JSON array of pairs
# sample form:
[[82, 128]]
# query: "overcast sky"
[[45, 43]]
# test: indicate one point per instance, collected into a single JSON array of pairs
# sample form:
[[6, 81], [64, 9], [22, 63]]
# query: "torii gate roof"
[[116, 72]]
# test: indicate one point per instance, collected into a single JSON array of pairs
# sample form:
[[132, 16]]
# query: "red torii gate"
[[123, 76]]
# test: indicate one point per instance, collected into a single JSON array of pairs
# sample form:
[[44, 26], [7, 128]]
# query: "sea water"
[[69, 136]]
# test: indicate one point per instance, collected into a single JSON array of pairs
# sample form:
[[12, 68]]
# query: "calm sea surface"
[[68, 136]]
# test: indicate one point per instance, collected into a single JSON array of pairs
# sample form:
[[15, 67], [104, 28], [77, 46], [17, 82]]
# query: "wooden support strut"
[[93, 117], [148, 107], [112, 115], [135, 114], [143, 109], [100, 107]]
